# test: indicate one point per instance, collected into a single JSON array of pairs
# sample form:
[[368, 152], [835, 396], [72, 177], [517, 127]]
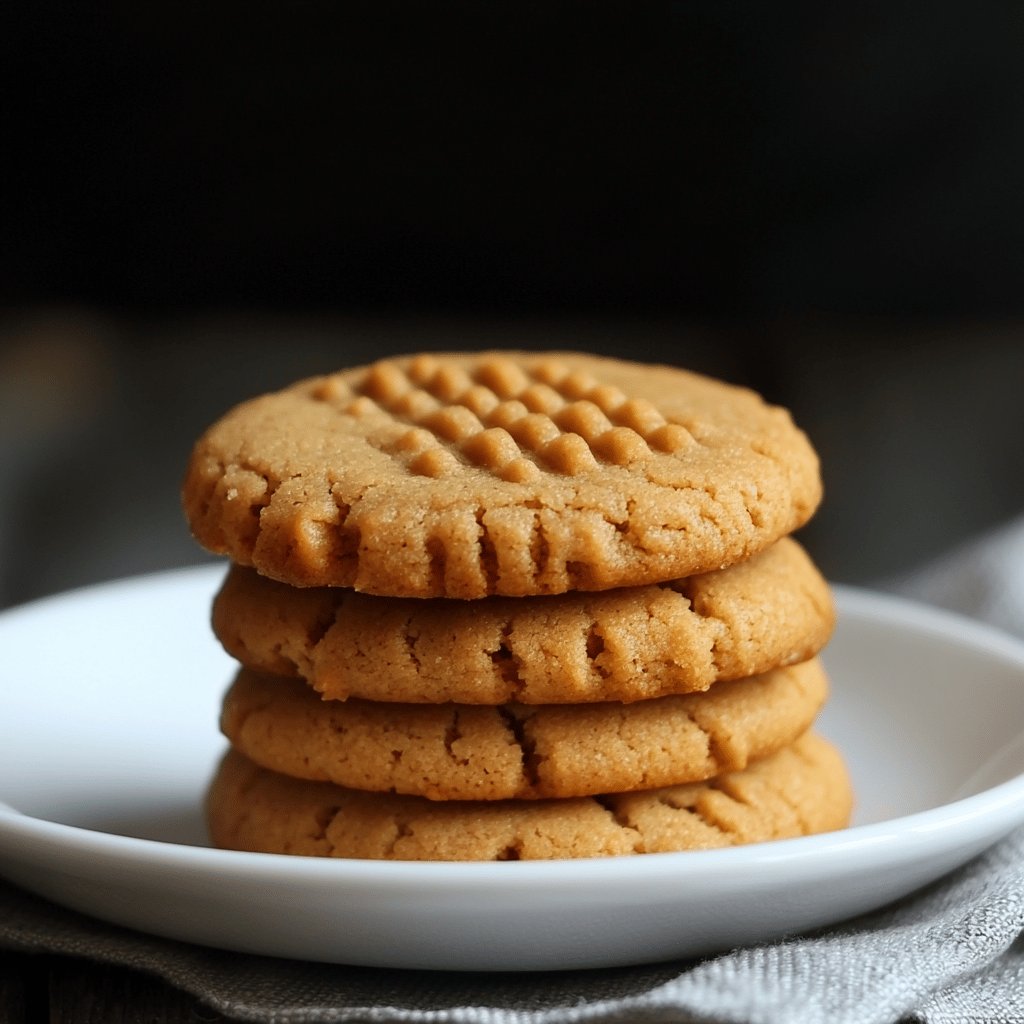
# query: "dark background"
[[206, 201]]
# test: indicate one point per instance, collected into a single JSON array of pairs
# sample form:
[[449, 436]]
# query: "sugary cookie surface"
[[467, 475], [801, 790]]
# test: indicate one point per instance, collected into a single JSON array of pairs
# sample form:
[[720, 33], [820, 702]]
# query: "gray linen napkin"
[[950, 954], [945, 955]]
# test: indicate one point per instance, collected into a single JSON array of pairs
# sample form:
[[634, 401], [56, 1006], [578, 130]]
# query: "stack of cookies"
[[503, 606]]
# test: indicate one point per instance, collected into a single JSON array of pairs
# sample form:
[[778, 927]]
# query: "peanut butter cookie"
[[801, 790], [623, 645], [474, 752], [467, 475]]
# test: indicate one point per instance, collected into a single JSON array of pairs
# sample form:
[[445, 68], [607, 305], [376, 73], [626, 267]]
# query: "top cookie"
[[507, 473]]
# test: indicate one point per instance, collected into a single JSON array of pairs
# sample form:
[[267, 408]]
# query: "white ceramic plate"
[[108, 736]]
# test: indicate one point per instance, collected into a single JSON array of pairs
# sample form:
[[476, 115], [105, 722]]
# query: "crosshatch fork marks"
[[640, 474], [510, 421]]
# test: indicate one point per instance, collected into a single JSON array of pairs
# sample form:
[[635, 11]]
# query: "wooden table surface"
[[42, 989]]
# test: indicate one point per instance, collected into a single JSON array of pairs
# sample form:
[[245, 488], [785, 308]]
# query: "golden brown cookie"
[[474, 752], [623, 645], [801, 790], [464, 475]]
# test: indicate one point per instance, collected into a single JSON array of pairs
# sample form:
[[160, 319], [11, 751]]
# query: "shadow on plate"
[[182, 823]]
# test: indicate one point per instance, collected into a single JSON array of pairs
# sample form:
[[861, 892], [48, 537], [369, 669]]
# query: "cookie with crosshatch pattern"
[[470, 474], [803, 789]]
